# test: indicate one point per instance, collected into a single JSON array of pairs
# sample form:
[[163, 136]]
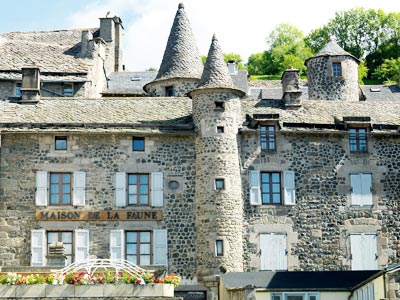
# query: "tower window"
[[169, 91], [219, 105], [220, 184], [138, 143], [337, 69], [219, 248], [220, 129], [60, 143]]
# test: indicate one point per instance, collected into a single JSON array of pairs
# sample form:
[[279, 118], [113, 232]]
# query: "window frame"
[[60, 138], [220, 129], [18, 87], [358, 139], [138, 194], [138, 138], [68, 89], [337, 70], [218, 187], [138, 244], [268, 137], [271, 193], [60, 232], [219, 247], [169, 91], [60, 192]]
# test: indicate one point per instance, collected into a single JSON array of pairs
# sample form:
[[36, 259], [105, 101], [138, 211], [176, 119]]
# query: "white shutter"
[[356, 249], [120, 189], [79, 189], [356, 192], [255, 192], [273, 251], [289, 188], [38, 248], [117, 244], [81, 244], [157, 189], [160, 247], [370, 252], [41, 188], [366, 188]]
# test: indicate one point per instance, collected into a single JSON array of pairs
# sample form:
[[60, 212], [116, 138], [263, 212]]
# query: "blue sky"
[[240, 25]]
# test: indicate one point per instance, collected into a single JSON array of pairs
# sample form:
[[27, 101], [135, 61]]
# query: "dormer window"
[[169, 91], [358, 139], [336, 69], [68, 90], [267, 137]]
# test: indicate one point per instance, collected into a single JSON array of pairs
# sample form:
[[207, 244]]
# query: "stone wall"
[[99, 156], [319, 224], [322, 85], [7, 89], [181, 87]]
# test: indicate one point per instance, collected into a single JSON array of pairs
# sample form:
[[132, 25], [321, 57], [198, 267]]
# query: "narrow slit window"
[[220, 129], [219, 247], [219, 184]]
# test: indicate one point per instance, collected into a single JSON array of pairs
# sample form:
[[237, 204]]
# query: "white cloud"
[[241, 26]]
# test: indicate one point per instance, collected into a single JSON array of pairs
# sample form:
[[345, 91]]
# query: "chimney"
[[87, 36], [30, 88], [232, 67], [111, 32], [291, 88], [107, 29]]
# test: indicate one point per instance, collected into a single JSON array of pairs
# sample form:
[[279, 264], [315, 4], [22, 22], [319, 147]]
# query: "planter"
[[85, 291]]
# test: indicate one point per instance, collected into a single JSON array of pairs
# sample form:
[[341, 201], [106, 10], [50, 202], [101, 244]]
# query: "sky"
[[241, 26]]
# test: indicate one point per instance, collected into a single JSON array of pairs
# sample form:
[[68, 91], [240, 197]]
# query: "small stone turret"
[[332, 74], [219, 206], [181, 66]]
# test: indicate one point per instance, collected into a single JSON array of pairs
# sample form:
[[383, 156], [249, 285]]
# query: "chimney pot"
[[30, 88]]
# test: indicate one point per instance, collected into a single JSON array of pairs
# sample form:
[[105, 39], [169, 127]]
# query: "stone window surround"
[[60, 138], [336, 60], [219, 184], [138, 138]]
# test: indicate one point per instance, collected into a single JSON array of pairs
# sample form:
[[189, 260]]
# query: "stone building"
[[193, 174]]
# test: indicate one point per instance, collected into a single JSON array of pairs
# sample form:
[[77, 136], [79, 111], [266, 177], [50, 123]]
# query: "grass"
[[366, 81]]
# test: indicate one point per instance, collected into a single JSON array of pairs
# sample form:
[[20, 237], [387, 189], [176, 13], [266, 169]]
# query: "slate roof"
[[332, 49], [181, 57], [52, 51], [381, 92], [17, 76], [297, 281], [128, 83]]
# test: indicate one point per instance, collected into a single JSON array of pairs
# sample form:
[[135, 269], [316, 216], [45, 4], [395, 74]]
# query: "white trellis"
[[91, 265]]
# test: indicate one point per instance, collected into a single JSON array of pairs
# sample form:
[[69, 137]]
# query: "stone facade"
[[180, 87]]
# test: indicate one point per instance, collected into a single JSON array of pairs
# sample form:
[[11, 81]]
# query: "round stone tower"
[[219, 205], [333, 74], [181, 67]]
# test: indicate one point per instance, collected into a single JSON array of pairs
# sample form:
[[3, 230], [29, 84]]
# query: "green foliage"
[[284, 34], [389, 70], [228, 57], [362, 72], [257, 64]]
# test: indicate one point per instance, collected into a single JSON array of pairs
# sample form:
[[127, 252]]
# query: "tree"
[[389, 70], [228, 57], [256, 64]]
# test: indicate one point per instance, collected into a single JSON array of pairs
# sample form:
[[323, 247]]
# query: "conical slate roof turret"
[[181, 57], [216, 73]]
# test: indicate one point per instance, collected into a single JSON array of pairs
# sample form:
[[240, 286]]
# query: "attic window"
[[68, 90], [136, 78], [375, 90]]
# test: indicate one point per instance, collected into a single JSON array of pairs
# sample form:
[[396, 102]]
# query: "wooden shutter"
[[79, 189], [255, 191], [356, 189], [289, 188], [41, 188], [366, 188], [370, 252], [81, 244], [356, 251], [157, 189], [273, 251], [160, 247], [38, 248], [120, 189], [117, 244]]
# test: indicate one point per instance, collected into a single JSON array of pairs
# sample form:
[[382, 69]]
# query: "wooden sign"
[[98, 215]]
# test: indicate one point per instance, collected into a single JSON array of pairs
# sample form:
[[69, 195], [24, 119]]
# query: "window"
[[68, 90], [138, 189], [138, 143], [219, 105], [271, 188], [358, 139], [140, 247], [219, 248], [337, 69], [66, 238], [273, 253], [60, 188], [18, 87], [295, 296], [361, 189], [363, 251], [169, 91], [76, 245], [220, 184], [60, 143], [267, 137], [220, 129], [265, 187]]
